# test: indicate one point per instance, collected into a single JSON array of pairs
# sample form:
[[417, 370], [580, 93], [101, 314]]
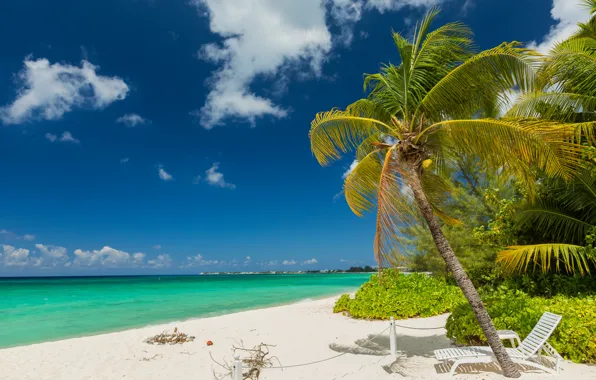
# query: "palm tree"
[[417, 119], [565, 93]]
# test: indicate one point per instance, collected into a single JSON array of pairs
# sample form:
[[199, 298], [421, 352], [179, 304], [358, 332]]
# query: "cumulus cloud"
[[156, 246], [259, 37], [163, 175], [311, 261], [16, 257], [247, 260], [52, 137], [138, 258], [273, 39], [289, 262], [161, 261], [567, 14], [52, 251], [215, 178], [28, 237], [48, 91], [124, 160], [107, 256], [131, 120], [344, 261]]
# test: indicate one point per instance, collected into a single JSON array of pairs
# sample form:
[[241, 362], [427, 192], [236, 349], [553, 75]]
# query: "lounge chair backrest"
[[540, 333]]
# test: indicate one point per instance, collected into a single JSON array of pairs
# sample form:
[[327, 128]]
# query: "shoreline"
[[189, 319], [304, 332]]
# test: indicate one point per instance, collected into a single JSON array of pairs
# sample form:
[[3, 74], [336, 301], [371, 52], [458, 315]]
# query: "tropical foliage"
[[566, 93], [419, 118], [574, 338], [401, 296]]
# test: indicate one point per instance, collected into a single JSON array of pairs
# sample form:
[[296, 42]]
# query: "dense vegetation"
[[401, 296], [461, 178], [574, 338]]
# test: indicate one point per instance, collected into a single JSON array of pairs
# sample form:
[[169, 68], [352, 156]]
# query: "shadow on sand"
[[413, 352]]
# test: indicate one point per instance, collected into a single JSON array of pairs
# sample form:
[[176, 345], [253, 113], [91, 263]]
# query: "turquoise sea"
[[36, 310]]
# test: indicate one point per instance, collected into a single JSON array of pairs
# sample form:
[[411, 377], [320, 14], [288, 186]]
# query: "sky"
[[171, 136]]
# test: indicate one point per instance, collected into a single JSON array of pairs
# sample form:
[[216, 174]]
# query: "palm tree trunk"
[[460, 276]]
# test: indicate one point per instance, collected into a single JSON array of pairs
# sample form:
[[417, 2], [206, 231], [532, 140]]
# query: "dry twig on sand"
[[166, 338], [257, 359]]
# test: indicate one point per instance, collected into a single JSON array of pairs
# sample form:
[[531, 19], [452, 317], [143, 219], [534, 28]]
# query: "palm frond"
[[512, 146], [572, 258], [552, 105], [554, 222], [362, 184], [395, 211], [463, 90], [336, 132], [571, 67]]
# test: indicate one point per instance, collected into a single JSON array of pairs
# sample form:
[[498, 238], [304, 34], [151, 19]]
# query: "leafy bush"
[[401, 296], [342, 304], [574, 338]]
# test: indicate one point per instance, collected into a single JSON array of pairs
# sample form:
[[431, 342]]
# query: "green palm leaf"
[[572, 258]]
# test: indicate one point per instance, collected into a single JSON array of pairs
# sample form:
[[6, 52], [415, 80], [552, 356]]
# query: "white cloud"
[[52, 251], [107, 256], [311, 261], [247, 260], [164, 175], [567, 13], [260, 37], [124, 160], [157, 246], [66, 137], [11, 235], [344, 261], [216, 178], [199, 260], [289, 262], [162, 261], [131, 120], [272, 39], [350, 169], [396, 5], [15, 256], [138, 258], [48, 91]]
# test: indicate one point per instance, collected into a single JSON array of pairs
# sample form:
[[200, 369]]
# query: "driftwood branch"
[[255, 359], [170, 338]]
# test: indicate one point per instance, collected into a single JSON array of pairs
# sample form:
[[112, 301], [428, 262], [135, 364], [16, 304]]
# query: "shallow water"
[[36, 310]]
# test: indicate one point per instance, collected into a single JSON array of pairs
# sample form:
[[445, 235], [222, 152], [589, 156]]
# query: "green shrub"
[[401, 296], [574, 338], [342, 304]]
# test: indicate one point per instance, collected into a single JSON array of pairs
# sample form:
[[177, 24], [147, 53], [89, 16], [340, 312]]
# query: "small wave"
[[304, 301]]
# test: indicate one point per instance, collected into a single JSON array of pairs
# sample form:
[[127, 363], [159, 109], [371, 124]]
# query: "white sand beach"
[[302, 332]]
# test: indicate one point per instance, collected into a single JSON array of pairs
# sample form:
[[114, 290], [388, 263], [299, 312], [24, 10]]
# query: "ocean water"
[[36, 310]]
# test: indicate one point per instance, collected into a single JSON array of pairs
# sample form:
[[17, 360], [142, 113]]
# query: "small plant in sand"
[[166, 337], [257, 359]]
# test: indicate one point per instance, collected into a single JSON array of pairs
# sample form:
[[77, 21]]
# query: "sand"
[[302, 332]]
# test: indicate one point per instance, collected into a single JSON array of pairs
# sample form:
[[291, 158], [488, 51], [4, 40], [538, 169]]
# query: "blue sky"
[[154, 136]]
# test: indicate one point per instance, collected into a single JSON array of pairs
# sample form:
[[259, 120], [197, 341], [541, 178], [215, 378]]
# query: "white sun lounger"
[[533, 346]]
